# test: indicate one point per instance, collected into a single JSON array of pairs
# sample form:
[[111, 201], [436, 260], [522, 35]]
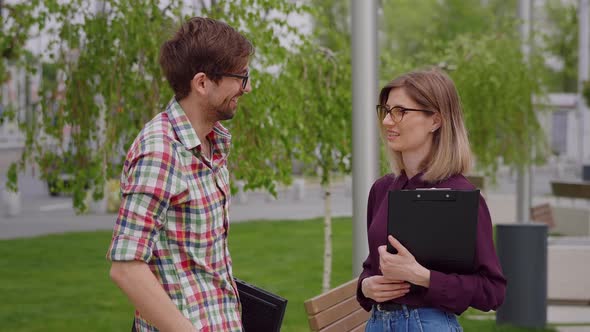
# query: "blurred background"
[[80, 78]]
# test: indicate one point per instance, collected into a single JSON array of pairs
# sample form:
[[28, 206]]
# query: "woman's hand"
[[382, 289], [403, 265]]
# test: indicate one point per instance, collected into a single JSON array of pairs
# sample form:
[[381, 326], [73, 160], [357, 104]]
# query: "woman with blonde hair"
[[422, 126]]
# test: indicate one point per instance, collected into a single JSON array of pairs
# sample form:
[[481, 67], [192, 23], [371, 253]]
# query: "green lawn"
[[61, 283]]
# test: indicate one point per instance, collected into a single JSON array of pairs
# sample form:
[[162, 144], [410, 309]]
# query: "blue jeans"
[[412, 320]]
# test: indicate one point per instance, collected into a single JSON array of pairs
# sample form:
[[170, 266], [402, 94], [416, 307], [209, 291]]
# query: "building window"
[[559, 132]]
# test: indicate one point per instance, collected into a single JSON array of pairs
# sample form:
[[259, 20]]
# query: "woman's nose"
[[387, 121]]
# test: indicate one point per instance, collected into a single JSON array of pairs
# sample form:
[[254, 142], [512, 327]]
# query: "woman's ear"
[[436, 123]]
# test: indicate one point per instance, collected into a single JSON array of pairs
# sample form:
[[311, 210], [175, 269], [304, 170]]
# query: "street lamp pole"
[[365, 144], [523, 181]]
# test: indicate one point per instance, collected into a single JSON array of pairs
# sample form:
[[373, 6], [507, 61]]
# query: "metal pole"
[[583, 50], [523, 189], [531, 167], [365, 145]]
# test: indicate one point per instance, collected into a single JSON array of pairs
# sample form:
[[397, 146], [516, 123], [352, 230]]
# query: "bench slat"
[[333, 313], [571, 189], [326, 300], [543, 213], [349, 322], [360, 328], [540, 214]]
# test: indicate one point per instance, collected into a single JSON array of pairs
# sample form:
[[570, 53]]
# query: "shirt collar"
[[221, 140], [181, 125], [219, 136], [413, 183]]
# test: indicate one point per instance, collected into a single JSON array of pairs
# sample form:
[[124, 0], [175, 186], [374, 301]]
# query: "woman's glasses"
[[396, 113]]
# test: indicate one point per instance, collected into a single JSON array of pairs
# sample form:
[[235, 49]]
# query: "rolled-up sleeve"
[[484, 289], [151, 178]]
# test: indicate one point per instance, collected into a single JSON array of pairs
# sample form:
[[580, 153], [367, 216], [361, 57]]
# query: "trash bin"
[[586, 173], [522, 250]]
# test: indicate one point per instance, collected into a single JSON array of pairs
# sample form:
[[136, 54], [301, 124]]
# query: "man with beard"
[[169, 248]]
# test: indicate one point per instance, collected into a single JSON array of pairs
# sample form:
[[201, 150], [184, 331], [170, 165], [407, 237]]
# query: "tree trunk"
[[327, 240]]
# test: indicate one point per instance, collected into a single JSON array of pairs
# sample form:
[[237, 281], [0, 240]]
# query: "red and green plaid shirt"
[[174, 217]]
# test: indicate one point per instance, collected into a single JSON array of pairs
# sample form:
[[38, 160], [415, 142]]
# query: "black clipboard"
[[261, 310], [438, 226]]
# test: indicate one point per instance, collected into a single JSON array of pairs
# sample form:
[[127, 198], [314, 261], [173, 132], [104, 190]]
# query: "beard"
[[227, 109]]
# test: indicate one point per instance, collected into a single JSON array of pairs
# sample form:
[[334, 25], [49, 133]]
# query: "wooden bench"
[[571, 189], [542, 213], [337, 310]]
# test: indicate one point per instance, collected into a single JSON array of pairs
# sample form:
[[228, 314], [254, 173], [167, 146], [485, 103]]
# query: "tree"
[[19, 21], [481, 51], [324, 119], [105, 109], [299, 110], [102, 107], [560, 41], [264, 128], [412, 29], [326, 113], [498, 110]]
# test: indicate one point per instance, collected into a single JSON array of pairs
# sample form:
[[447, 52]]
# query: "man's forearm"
[[145, 292]]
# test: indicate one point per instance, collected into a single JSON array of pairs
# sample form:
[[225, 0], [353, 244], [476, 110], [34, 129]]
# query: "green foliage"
[[266, 131], [495, 115], [323, 113], [479, 46], [18, 21], [414, 28], [560, 39], [331, 24], [104, 83]]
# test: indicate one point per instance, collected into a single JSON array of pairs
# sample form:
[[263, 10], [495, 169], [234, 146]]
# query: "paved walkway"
[[45, 215], [42, 214]]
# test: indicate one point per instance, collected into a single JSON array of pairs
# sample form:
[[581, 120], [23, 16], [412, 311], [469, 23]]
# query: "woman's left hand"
[[403, 265]]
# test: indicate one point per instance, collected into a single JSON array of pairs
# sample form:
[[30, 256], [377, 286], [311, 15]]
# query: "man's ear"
[[199, 83]]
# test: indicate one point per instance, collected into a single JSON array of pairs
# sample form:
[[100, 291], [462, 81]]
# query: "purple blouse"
[[483, 290]]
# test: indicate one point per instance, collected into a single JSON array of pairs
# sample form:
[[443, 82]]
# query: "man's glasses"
[[243, 77], [396, 113]]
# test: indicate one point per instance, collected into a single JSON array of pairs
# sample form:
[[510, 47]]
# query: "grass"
[[61, 283]]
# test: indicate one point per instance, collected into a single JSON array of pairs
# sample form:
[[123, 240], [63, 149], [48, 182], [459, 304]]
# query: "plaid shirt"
[[174, 217]]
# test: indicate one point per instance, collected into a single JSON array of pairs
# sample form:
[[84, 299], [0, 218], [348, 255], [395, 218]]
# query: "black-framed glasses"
[[243, 77], [396, 113]]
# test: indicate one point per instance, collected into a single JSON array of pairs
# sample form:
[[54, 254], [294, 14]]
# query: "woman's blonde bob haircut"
[[433, 90]]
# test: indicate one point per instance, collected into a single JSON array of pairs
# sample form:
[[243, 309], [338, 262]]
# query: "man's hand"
[[382, 289], [403, 265]]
